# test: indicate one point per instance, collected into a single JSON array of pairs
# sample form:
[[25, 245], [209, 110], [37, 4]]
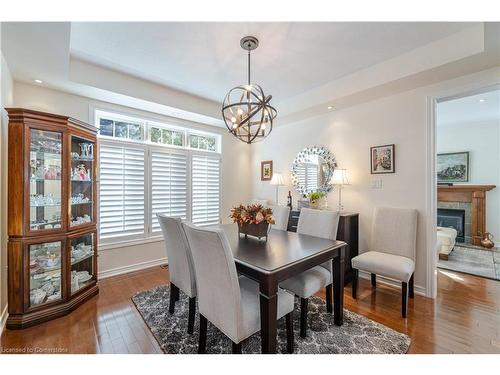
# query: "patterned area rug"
[[357, 335]]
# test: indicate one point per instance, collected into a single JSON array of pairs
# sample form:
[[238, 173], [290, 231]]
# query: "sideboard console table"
[[348, 231]]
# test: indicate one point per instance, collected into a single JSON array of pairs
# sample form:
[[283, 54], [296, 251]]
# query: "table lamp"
[[340, 179], [278, 181]]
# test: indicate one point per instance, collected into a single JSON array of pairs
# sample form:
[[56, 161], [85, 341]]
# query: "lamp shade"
[[277, 179], [340, 177]]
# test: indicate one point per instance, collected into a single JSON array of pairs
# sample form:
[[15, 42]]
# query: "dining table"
[[277, 257]]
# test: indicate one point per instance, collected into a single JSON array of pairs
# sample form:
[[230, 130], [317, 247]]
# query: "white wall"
[[400, 119], [235, 161], [6, 99], [482, 140]]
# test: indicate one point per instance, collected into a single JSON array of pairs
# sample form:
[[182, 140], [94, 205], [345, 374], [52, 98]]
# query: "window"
[[203, 142], [205, 186], [121, 191], [121, 129], [168, 186], [167, 136], [148, 168]]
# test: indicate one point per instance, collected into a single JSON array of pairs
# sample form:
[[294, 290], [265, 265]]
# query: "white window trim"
[[149, 236]]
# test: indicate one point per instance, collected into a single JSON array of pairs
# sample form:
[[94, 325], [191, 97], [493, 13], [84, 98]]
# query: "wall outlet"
[[376, 183]]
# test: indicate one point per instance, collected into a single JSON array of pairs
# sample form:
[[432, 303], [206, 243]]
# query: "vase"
[[486, 241], [314, 204], [255, 230]]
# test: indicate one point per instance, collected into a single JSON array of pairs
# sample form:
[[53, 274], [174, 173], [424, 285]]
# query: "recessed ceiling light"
[[482, 100], [330, 107], [39, 81]]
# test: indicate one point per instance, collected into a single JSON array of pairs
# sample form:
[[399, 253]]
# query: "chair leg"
[[191, 316], [202, 342], [289, 332], [329, 296], [354, 285], [174, 293], [411, 285], [236, 348], [303, 317], [374, 280], [404, 300]]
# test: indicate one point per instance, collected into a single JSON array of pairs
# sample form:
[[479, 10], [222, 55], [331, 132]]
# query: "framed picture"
[[382, 159], [266, 170], [453, 167]]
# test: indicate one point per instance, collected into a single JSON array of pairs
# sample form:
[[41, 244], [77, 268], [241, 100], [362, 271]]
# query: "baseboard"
[[3, 318], [132, 268], [391, 282]]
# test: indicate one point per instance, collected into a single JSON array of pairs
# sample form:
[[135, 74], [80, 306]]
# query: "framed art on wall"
[[382, 159], [266, 170], [453, 167]]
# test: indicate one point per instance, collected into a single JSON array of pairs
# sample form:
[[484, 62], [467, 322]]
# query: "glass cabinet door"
[[82, 167], [45, 272], [45, 179], [82, 262]]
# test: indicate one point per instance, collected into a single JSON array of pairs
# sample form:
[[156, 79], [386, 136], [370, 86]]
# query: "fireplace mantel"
[[474, 194]]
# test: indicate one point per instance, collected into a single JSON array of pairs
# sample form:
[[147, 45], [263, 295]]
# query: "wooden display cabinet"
[[52, 212]]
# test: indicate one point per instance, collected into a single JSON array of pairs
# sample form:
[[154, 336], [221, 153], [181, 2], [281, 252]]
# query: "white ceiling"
[[183, 70], [471, 109], [205, 59]]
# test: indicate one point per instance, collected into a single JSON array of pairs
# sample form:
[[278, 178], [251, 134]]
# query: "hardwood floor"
[[465, 318]]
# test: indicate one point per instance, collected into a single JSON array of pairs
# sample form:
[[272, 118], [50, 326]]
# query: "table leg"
[[338, 287], [268, 315]]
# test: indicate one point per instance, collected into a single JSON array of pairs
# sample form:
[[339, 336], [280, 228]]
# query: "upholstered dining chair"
[[281, 215], [180, 265], [318, 223], [392, 250], [229, 302]]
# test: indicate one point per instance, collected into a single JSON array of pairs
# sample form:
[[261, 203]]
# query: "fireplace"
[[454, 218]]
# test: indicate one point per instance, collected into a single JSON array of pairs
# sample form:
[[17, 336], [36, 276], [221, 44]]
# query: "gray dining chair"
[[281, 215], [392, 250], [317, 223], [180, 265], [229, 302]]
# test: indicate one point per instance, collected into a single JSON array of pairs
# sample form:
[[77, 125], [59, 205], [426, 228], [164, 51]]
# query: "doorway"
[[467, 143]]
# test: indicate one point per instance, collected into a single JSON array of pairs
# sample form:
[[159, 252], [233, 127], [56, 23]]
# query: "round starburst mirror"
[[246, 110]]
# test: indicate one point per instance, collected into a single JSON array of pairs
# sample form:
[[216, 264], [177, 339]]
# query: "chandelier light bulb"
[[233, 119]]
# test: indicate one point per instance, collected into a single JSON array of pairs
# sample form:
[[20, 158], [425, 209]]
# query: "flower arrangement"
[[252, 214], [253, 219]]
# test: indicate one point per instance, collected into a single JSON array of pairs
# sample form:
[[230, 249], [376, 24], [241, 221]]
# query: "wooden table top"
[[282, 248]]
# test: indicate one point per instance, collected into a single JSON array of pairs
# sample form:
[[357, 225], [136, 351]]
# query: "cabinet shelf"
[[36, 179], [76, 261]]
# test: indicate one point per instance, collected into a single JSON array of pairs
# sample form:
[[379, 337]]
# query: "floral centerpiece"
[[253, 219]]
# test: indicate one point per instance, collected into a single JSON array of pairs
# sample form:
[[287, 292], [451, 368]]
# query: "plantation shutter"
[[205, 187], [312, 177], [121, 199], [168, 186]]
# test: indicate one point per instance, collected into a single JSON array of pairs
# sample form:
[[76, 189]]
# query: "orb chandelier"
[[246, 110]]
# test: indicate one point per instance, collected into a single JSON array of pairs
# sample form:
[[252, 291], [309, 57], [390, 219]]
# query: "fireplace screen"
[[452, 218]]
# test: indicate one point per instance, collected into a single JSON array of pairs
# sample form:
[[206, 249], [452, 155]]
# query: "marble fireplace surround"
[[472, 199]]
